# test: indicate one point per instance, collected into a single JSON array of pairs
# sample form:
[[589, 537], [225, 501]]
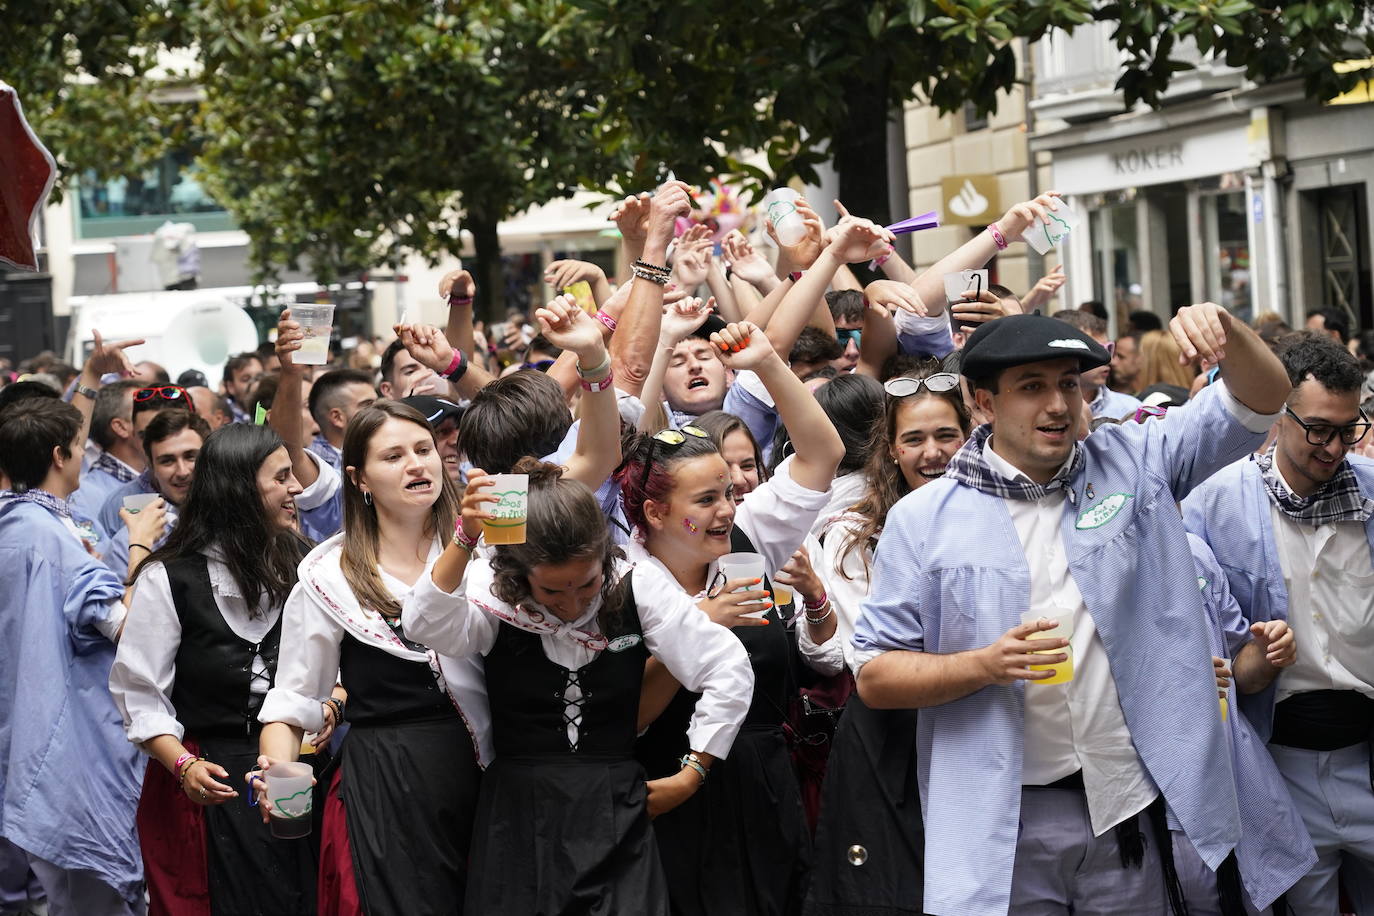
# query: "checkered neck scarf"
[[1337, 500], [58, 507], [970, 468], [114, 467]]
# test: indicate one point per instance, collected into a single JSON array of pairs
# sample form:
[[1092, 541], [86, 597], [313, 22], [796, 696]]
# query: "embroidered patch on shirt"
[[1103, 512], [1202, 584], [1068, 343], [621, 643]]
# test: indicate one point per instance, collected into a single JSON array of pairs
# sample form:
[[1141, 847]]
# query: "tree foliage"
[[352, 132]]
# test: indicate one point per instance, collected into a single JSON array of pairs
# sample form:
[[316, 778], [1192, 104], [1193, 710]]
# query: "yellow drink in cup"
[[782, 594], [512, 510], [1063, 671]]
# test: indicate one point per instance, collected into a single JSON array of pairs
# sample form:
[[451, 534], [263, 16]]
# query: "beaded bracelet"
[[606, 319], [652, 268], [338, 706], [997, 237], [460, 538], [181, 776], [641, 274], [814, 621]]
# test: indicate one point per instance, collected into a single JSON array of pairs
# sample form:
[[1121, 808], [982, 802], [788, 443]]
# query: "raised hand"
[[803, 254], [744, 261], [289, 338], [855, 240], [671, 200], [1022, 216], [109, 356], [743, 345], [893, 294], [681, 318], [692, 259], [1044, 290], [562, 274], [427, 344], [475, 498], [1200, 331], [967, 314], [631, 216], [566, 326], [457, 284]]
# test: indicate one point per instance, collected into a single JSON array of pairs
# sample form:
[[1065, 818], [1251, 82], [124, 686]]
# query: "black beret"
[[1019, 339]]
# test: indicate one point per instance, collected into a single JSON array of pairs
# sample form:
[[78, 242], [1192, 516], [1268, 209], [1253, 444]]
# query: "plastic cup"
[[781, 207], [140, 501], [961, 281], [1042, 237], [1063, 671], [513, 491], [289, 789], [782, 594], [743, 566], [317, 321]]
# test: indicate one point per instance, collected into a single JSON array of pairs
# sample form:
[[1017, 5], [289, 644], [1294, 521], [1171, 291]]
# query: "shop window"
[[1116, 259], [1227, 250], [1345, 261], [139, 203]]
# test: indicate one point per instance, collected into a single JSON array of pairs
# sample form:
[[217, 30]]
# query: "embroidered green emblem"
[[621, 643], [1103, 512]]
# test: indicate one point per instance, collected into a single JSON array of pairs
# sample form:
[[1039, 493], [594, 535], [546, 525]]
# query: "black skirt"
[[870, 844], [410, 793], [565, 836], [740, 846]]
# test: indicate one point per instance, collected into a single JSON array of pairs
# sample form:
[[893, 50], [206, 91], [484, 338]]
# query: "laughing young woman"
[[198, 654], [868, 839], [740, 845]]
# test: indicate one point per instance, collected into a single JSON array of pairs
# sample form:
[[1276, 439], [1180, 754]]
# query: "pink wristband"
[[453, 364], [461, 537], [606, 319], [601, 385], [459, 300], [181, 761], [881, 259], [817, 605], [997, 236]]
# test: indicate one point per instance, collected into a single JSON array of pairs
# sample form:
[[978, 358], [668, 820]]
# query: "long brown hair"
[[886, 484], [359, 559], [564, 523]]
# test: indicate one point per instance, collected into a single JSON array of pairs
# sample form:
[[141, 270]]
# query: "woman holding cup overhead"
[[739, 846], [564, 630]]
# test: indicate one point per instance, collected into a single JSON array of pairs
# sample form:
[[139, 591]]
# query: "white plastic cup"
[[781, 207], [1063, 671], [290, 790], [140, 501], [317, 321], [1042, 237], [513, 491], [743, 566], [961, 281]]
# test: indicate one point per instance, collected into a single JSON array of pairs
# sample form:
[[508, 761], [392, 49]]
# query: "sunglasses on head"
[[1144, 413], [671, 438], [539, 365], [149, 398], [904, 385]]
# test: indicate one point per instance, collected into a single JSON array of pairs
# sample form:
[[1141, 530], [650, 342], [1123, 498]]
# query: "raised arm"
[[1251, 370], [597, 451], [107, 357], [435, 350], [285, 416], [679, 321], [632, 345], [819, 448], [562, 274]]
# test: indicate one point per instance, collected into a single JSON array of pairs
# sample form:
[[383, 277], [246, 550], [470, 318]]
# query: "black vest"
[[771, 656], [214, 665], [526, 691], [384, 689]]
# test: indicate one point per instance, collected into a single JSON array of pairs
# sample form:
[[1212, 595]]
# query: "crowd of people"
[[1046, 623]]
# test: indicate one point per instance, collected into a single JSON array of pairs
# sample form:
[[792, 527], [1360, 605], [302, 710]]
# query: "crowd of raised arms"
[[830, 599]]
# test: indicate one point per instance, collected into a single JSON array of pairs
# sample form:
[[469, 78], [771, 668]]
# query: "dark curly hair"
[[565, 523], [638, 484], [1318, 356]]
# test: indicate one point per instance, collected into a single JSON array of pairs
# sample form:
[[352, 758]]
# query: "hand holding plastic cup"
[[743, 566], [290, 790], [1043, 237], [1063, 671], [317, 322], [781, 207], [140, 501], [512, 492], [961, 282]]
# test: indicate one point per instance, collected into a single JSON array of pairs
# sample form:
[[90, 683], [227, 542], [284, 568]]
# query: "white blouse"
[[144, 669], [701, 655]]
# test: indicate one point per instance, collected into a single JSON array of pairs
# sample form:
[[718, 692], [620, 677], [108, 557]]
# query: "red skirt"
[[338, 889]]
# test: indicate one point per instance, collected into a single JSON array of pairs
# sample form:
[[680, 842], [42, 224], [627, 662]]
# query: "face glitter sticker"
[[690, 525]]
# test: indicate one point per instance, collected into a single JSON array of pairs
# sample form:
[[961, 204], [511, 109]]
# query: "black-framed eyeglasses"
[[159, 395], [671, 438], [906, 385], [1321, 434]]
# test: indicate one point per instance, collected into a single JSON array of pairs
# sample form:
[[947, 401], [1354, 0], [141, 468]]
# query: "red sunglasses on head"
[[171, 394]]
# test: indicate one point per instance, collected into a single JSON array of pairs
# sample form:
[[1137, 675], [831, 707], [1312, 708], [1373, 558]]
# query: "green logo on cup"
[[512, 506], [297, 805]]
